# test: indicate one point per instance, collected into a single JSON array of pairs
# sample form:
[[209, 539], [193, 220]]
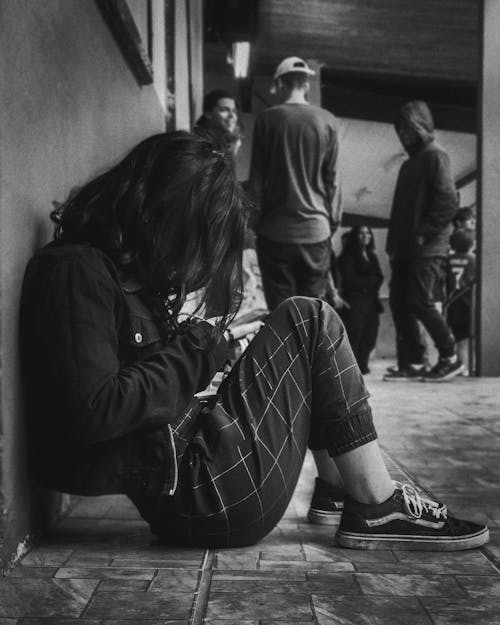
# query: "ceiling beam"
[[377, 108], [465, 179], [377, 97], [409, 86]]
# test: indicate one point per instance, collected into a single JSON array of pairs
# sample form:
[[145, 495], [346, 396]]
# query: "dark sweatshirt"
[[360, 277], [425, 199]]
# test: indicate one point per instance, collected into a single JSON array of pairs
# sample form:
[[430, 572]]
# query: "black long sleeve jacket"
[[424, 205], [103, 388]]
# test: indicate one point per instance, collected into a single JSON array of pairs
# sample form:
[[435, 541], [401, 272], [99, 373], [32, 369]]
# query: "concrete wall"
[[70, 107]]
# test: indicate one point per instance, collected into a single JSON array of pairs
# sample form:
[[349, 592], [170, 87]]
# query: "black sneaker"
[[445, 369], [327, 504], [403, 375], [407, 521]]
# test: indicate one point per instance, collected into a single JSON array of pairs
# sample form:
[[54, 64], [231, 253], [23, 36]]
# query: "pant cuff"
[[339, 437]]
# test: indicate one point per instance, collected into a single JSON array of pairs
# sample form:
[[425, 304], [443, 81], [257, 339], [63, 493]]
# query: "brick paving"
[[101, 566]]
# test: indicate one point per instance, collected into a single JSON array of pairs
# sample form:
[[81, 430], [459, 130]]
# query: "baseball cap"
[[291, 64]]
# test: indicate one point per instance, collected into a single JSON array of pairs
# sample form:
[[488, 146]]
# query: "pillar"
[[488, 226]]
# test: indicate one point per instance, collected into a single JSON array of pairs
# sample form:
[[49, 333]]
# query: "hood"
[[418, 116]]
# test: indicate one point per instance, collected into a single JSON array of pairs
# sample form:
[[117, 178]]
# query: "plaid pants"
[[297, 384]]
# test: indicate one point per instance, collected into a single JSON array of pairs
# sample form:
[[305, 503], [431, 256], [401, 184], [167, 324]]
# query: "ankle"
[[326, 488], [373, 497]]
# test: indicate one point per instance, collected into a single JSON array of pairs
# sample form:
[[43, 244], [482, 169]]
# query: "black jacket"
[[103, 387], [360, 277], [425, 200]]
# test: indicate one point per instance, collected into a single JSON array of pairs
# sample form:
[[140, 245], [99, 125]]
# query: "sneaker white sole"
[[318, 517], [395, 542], [445, 378], [390, 378]]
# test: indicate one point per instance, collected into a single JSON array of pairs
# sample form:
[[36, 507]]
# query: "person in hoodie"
[[424, 206]]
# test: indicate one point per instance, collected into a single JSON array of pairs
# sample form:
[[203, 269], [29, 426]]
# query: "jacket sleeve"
[[377, 270], [331, 182], [257, 168], [101, 399], [389, 241], [393, 230], [443, 198]]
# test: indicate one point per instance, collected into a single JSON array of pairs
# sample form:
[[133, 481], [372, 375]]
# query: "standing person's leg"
[[410, 346], [458, 316], [312, 268], [276, 263], [425, 278]]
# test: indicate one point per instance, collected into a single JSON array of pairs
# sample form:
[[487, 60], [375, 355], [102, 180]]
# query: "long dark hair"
[[172, 213], [352, 245]]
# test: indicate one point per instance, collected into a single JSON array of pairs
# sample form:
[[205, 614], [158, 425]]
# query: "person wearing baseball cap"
[[293, 184], [288, 65]]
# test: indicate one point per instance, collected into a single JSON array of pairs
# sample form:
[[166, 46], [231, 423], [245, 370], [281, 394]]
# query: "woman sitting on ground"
[[361, 278], [113, 362]]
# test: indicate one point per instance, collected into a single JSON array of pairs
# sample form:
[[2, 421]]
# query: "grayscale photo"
[[250, 330]]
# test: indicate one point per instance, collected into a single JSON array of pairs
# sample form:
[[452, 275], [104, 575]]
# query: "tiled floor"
[[101, 566]]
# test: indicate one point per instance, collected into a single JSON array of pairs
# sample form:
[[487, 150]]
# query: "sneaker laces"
[[417, 504]]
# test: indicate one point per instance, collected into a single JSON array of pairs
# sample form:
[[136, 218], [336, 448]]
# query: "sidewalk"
[[101, 566]]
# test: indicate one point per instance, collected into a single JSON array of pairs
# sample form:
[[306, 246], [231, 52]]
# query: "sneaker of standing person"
[[412, 372], [445, 369], [406, 521], [327, 504]]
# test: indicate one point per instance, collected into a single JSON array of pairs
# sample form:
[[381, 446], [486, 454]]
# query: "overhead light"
[[241, 58]]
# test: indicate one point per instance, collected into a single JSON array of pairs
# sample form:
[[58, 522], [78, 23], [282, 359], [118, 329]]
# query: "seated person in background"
[[112, 361], [361, 278], [460, 278], [220, 117]]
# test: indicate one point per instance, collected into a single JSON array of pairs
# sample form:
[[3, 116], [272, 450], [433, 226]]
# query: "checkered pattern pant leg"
[[296, 384]]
